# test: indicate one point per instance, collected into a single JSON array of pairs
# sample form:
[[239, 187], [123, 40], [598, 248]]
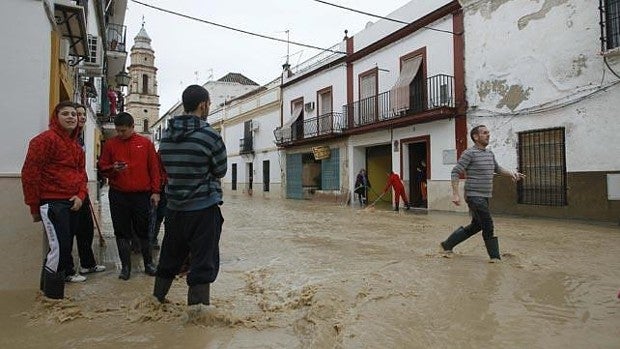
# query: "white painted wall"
[[439, 56], [520, 80], [336, 77], [25, 72], [410, 12], [262, 108]]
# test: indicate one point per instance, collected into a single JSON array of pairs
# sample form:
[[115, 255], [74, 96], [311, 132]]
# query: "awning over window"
[[71, 23], [284, 132], [399, 95]]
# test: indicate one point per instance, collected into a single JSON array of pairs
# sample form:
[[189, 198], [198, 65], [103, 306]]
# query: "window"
[[610, 24], [368, 97], [542, 158], [145, 126], [234, 177], [145, 84], [266, 175], [400, 93], [92, 50], [325, 115], [297, 128]]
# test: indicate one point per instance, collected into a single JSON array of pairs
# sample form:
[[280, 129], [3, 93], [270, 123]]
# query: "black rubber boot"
[[492, 246], [455, 238], [198, 294], [149, 267], [124, 253], [161, 288], [54, 284]]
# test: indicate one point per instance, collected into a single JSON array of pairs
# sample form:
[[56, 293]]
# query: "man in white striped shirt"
[[479, 164]]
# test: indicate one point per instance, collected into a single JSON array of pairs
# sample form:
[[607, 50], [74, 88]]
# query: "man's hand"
[[36, 217], [155, 199], [77, 203], [517, 176], [456, 199]]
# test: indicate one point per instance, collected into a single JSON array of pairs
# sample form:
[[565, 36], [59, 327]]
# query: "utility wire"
[[382, 17], [235, 29]]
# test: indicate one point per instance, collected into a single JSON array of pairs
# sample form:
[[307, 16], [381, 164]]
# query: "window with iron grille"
[[610, 24], [542, 158], [92, 50]]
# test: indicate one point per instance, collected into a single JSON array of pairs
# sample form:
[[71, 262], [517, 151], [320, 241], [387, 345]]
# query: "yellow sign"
[[321, 152]]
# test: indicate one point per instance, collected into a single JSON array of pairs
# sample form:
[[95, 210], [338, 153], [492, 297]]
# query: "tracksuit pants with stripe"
[[59, 223]]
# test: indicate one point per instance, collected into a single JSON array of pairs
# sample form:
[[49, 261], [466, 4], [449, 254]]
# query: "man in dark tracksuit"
[[480, 165], [194, 156]]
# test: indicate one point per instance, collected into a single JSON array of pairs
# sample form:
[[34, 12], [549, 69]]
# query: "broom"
[[372, 205], [92, 211]]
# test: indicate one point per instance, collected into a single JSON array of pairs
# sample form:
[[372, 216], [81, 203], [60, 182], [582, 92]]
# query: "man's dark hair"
[[193, 96], [474, 131], [78, 105], [123, 119]]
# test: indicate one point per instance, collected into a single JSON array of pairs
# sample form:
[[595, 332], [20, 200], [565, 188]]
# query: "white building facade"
[[390, 98], [550, 102], [247, 129]]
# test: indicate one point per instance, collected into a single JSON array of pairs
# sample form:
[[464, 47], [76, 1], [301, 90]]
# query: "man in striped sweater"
[[194, 156], [479, 164]]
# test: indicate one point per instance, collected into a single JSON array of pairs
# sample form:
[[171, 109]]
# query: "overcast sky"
[[188, 52]]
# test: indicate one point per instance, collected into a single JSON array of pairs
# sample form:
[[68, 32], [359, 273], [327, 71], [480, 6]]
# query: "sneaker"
[[495, 260], [75, 278], [95, 269]]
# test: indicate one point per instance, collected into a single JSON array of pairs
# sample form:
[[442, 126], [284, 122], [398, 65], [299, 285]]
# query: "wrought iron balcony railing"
[[326, 124], [424, 95], [436, 92], [246, 145], [116, 34]]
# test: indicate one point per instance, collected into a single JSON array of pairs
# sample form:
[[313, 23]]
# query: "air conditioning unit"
[[309, 106], [255, 125]]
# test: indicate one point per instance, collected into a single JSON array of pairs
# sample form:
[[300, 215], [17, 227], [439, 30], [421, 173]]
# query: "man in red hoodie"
[[399, 189], [54, 186], [130, 163]]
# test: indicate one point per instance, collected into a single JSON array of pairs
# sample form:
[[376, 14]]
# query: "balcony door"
[[367, 112], [325, 108]]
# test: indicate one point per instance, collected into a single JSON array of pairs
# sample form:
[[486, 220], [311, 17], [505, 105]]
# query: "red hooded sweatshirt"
[[395, 182], [142, 173], [54, 168]]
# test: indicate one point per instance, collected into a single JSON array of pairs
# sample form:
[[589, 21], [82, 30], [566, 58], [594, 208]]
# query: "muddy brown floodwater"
[[300, 274]]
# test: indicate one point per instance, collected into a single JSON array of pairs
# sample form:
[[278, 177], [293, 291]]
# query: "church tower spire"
[[142, 101]]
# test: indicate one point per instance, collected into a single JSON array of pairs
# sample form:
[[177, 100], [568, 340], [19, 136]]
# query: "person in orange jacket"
[[399, 189]]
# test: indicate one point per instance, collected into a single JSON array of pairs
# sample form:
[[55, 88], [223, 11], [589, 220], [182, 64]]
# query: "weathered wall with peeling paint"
[[526, 59], [535, 64]]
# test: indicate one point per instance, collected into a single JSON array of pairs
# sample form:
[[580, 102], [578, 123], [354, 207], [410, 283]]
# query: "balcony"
[[324, 126], [116, 34], [246, 145], [425, 102]]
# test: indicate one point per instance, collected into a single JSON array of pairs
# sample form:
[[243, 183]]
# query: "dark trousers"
[[157, 217], [196, 233], [480, 217], [84, 234], [130, 213], [59, 223]]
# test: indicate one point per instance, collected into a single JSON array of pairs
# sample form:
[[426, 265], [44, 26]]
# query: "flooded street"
[[300, 274]]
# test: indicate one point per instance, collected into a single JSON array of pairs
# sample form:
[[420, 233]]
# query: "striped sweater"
[[479, 165], [194, 156]]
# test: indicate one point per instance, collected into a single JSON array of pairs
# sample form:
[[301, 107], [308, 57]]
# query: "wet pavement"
[[301, 274]]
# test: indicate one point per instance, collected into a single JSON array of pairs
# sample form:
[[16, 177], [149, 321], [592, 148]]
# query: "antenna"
[[288, 44]]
